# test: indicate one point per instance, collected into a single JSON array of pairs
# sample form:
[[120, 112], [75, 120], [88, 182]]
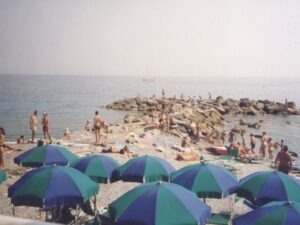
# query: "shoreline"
[[154, 142]]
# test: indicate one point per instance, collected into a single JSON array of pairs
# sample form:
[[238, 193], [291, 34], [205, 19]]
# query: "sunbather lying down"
[[124, 150], [187, 156], [245, 155]]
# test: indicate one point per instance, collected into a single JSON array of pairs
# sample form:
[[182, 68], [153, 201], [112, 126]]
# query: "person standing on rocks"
[[33, 123], [97, 126]]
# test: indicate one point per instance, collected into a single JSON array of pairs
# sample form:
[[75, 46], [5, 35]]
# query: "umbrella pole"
[[204, 200], [95, 204], [13, 210], [77, 213]]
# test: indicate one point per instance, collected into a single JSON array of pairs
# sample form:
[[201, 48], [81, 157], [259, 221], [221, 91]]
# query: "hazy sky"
[[150, 37]]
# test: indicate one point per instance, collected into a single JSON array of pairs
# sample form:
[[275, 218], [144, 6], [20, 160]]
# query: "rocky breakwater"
[[206, 113]]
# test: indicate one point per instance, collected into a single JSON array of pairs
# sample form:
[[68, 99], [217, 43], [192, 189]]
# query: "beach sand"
[[82, 145]]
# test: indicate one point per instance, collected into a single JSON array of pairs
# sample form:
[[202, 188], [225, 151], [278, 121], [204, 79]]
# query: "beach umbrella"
[[159, 204], [206, 180], [266, 186], [52, 186], [144, 169], [98, 167], [45, 155], [275, 213], [3, 177]]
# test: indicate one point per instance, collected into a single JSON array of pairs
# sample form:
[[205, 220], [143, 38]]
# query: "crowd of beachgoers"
[[174, 133]]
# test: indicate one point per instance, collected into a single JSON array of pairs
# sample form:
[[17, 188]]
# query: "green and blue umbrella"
[[52, 186], [273, 213], [266, 186], [98, 167], [3, 177], [159, 204], [45, 155], [206, 180], [144, 169]]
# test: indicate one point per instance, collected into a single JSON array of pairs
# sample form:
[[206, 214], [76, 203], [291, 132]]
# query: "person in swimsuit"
[[270, 148], [97, 126], [264, 143], [33, 122], [45, 123], [252, 142], [283, 161], [2, 139]]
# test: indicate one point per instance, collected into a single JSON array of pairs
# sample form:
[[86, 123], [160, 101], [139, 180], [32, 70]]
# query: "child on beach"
[[21, 140], [67, 134]]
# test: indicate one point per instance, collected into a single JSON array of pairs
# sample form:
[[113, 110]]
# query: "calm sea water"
[[71, 100]]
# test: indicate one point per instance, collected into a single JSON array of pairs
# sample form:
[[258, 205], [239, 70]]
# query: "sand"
[[82, 144]]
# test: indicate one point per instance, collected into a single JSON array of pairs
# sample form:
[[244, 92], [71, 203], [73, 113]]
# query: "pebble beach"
[[153, 142]]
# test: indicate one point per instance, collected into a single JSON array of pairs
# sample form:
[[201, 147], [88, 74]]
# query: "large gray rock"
[[251, 111], [254, 125], [245, 103]]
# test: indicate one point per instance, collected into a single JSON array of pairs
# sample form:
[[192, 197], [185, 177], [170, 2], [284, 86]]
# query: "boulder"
[[259, 105], [245, 103], [254, 125], [271, 109], [244, 122], [291, 105], [251, 111]]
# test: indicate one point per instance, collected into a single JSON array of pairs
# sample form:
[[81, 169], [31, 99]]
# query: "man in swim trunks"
[[45, 123], [2, 139], [283, 161], [97, 126], [264, 143], [33, 122]]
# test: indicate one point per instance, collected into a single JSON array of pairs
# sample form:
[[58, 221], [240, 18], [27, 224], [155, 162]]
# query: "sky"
[[150, 37]]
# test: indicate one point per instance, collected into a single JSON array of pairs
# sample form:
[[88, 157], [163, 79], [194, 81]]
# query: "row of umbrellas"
[[205, 180]]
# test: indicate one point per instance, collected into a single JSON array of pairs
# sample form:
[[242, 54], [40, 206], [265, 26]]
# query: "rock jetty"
[[207, 113]]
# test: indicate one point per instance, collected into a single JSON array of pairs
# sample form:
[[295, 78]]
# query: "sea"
[[72, 100]]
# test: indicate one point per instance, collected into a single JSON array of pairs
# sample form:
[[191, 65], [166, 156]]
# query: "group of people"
[[33, 124]]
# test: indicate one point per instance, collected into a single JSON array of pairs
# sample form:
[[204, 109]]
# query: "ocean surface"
[[71, 100]]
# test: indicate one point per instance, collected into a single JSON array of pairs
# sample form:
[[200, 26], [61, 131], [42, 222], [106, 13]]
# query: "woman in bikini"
[[45, 123]]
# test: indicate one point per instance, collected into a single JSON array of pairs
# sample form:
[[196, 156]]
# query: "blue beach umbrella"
[[98, 167], [144, 169], [45, 155], [159, 204], [52, 186], [206, 180], [266, 186], [273, 213]]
